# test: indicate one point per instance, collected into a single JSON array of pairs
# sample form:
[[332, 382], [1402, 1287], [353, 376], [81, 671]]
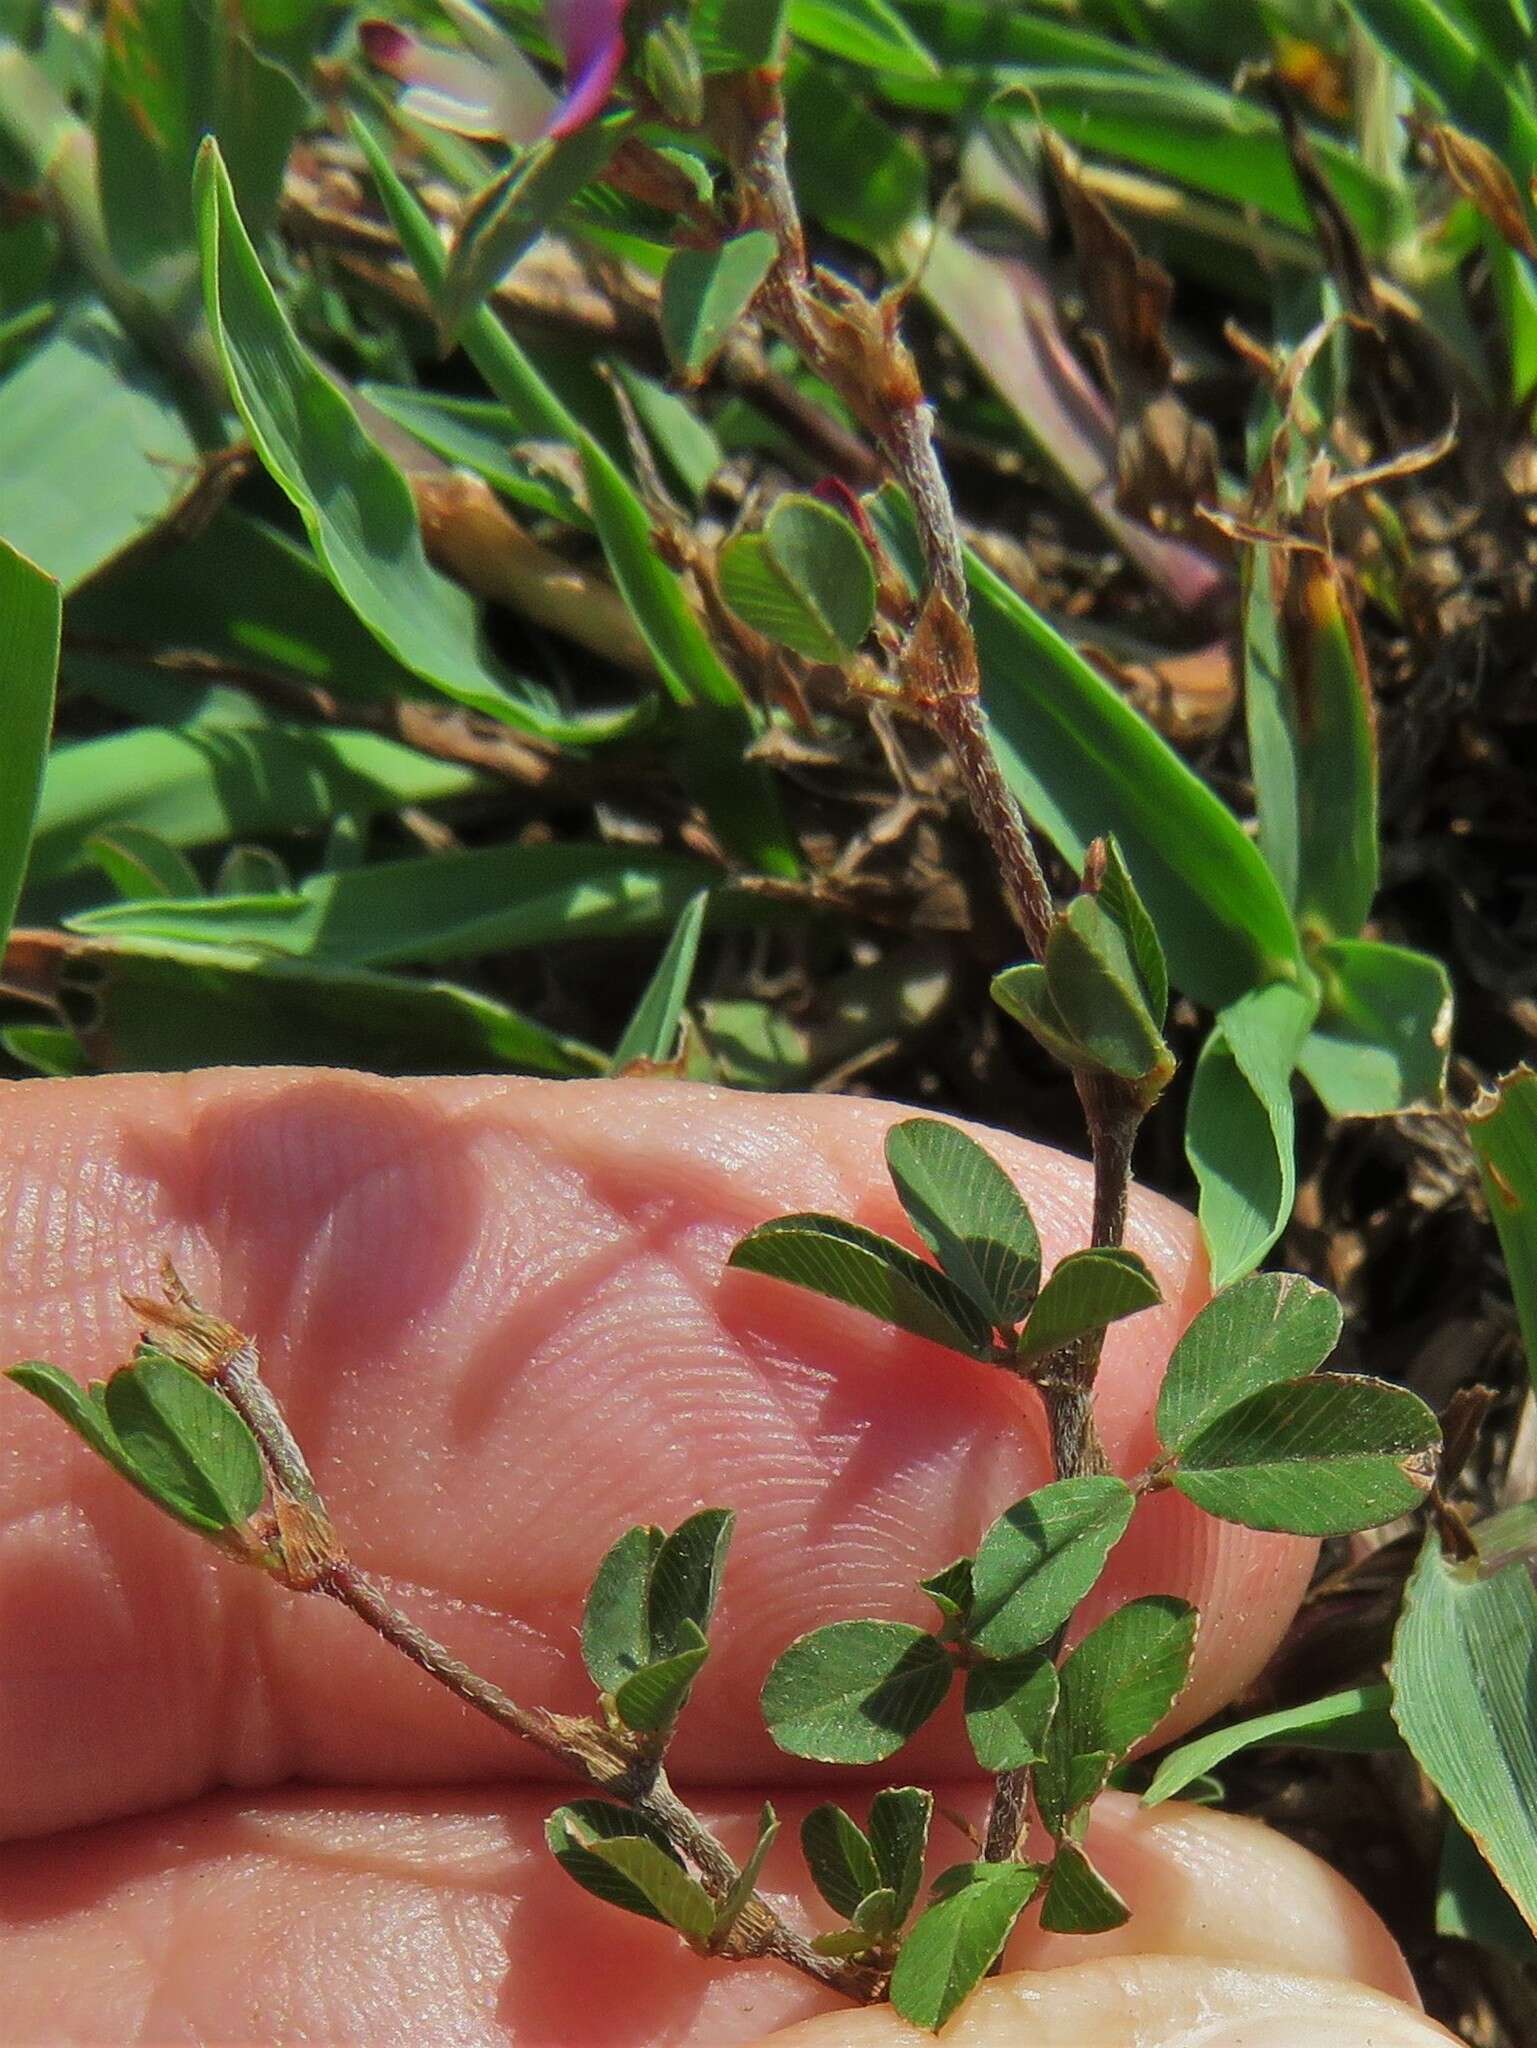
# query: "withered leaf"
[[1478, 175]]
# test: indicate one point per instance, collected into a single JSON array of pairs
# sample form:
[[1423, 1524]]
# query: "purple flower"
[[591, 36], [489, 89]]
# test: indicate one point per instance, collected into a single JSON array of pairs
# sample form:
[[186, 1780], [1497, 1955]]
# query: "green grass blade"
[[94, 449], [444, 907], [1448, 54], [356, 506], [1502, 1128], [1465, 1702], [652, 1032], [1355, 1720], [30, 619], [1312, 740], [156, 1006], [196, 786]]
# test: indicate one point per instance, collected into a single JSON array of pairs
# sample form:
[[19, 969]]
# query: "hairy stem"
[[854, 344], [608, 1763]]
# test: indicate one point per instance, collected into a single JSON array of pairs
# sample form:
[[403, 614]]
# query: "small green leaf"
[[806, 582], [652, 1032], [747, 1881], [503, 222], [1041, 1557], [139, 863], [1078, 1900], [951, 1592], [705, 292], [1355, 1720], [627, 1865], [1240, 1126], [955, 1943], [686, 1576], [72, 1404], [1086, 1290], [616, 1625], [1315, 1457], [845, 1941], [1383, 1035], [876, 1915], [969, 1214], [1464, 1702], [1097, 988], [1116, 1687], [1023, 994], [188, 1448], [644, 1629], [840, 1858], [1117, 896], [854, 1692], [1008, 1707], [851, 1264], [1266, 1327], [899, 1821], [655, 1695]]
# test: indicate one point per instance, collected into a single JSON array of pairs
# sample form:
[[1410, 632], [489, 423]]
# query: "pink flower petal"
[[591, 37], [489, 91]]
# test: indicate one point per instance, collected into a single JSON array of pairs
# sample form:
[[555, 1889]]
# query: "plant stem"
[[854, 344], [607, 1762]]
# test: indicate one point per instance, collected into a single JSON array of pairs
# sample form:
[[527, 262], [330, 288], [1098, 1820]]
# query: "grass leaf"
[[30, 622], [1465, 1702], [1502, 1129], [652, 1032], [1354, 1720]]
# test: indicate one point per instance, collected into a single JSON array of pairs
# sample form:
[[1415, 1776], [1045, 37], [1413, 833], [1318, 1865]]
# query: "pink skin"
[[497, 1316]]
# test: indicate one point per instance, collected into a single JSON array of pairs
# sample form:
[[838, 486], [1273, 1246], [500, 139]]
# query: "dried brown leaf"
[[1478, 175]]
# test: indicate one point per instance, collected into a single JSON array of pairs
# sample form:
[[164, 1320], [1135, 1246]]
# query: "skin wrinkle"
[[866, 1459], [347, 1887]]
